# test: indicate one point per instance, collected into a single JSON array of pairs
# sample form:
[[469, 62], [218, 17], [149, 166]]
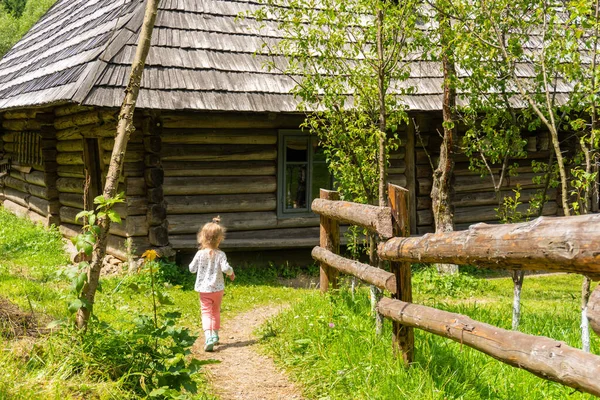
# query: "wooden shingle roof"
[[202, 58]]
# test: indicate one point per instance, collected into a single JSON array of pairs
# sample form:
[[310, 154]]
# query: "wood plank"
[[70, 185], [232, 120], [211, 152], [593, 310], [69, 158], [69, 145], [463, 215], [220, 203], [329, 241], [70, 171], [219, 185], [467, 199], [199, 168], [219, 136]]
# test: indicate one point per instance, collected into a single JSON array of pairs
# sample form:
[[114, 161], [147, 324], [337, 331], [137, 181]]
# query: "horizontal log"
[[375, 276], [117, 246], [399, 154], [91, 131], [20, 114], [476, 183], [68, 214], [131, 226], [220, 203], [219, 185], [199, 168], [232, 120], [21, 125], [566, 244], [134, 144], [131, 156], [462, 169], [423, 203], [34, 177], [219, 136], [593, 310], [424, 186], [135, 186], [14, 183], [397, 179], [489, 197], [244, 221], [42, 206], [69, 145], [376, 219], [84, 118], [69, 230], [547, 358], [156, 215], [16, 196], [396, 167], [71, 199], [9, 137], [70, 185], [70, 171], [213, 152], [464, 215], [71, 158], [71, 109]]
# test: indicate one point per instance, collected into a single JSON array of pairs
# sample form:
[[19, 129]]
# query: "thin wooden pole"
[[329, 240], [404, 338]]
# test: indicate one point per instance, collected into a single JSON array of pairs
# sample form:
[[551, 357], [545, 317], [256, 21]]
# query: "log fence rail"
[[562, 244]]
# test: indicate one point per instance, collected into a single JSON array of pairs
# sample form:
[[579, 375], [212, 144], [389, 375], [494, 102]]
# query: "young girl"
[[210, 263]]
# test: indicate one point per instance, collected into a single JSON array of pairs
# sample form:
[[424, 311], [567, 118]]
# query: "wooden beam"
[[593, 310], [218, 185], [375, 276], [220, 203], [376, 219], [218, 152], [201, 168], [219, 136], [567, 244], [329, 239], [403, 336], [544, 357]]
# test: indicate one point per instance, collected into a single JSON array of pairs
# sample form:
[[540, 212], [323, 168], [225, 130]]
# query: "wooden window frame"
[[282, 212]]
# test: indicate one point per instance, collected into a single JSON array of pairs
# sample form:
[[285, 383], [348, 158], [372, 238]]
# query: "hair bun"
[[216, 219]]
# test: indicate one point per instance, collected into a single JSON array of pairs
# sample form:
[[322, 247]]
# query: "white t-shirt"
[[210, 270]]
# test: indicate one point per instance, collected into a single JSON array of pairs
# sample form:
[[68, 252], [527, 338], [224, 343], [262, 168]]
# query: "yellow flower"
[[150, 255]]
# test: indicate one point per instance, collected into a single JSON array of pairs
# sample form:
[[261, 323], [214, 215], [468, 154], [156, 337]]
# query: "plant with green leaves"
[[350, 62], [84, 243]]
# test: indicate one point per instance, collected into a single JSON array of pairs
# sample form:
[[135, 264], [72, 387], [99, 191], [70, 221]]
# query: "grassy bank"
[[328, 343], [104, 363]]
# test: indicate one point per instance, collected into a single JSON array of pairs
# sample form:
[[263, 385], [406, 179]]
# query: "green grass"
[[63, 366], [328, 344]]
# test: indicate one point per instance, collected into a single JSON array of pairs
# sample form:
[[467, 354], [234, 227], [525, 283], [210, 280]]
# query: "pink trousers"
[[210, 304]]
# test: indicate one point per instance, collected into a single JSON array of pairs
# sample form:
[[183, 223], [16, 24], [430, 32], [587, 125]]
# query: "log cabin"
[[216, 132]]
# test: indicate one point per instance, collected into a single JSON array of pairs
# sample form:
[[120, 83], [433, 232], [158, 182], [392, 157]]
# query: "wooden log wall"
[[226, 164], [30, 189], [474, 197], [74, 125]]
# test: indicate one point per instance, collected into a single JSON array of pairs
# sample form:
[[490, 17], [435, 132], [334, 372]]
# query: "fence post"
[[403, 339], [329, 240]]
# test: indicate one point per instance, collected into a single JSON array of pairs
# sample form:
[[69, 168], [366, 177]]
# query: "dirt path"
[[243, 373]]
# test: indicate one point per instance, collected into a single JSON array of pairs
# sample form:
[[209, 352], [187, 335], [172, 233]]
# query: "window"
[[302, 172], [28, 149]]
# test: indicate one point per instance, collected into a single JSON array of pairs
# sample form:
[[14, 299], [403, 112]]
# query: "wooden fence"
[[567, 244]]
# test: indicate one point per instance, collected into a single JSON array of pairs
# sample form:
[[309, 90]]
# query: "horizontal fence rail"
[[565, 244], [375, 276], [542, 356], [375, 219]]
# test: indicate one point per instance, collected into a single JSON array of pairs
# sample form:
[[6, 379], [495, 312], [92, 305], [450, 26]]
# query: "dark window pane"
[[321, 178], [295, 179], [296, 149]]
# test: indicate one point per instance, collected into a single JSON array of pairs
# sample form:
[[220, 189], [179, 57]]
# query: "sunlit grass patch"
[[328, 343]]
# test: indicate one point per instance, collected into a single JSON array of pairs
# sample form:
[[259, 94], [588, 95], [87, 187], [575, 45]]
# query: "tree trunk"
[[517, 277], [124, 129], [441, 192]]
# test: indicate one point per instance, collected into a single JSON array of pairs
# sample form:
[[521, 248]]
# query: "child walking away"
[[210, 264]]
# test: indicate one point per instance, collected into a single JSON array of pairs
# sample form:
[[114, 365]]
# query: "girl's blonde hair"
[[211, 234]]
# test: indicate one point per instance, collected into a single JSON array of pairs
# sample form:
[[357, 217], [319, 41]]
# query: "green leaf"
[[75, 305], [80, 281], [164, 299], [114, 216]]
